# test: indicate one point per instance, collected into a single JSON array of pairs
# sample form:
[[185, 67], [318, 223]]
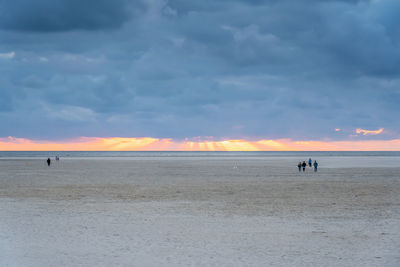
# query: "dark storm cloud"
[[64, 15], [228, 68]]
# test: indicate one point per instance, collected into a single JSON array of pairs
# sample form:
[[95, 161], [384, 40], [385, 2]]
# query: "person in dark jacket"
[[315, 166], [48, 161], [299, 166], [304, 166]]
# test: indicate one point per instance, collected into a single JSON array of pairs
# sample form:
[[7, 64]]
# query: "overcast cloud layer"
[[185, 68]]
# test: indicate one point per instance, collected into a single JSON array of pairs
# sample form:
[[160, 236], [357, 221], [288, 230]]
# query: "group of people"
[[310, 164], [49, 160]]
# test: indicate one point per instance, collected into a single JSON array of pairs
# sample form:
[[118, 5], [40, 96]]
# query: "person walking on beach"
[[315, 166], [309, 162], [48, 161], [304, 166], [299, 166]]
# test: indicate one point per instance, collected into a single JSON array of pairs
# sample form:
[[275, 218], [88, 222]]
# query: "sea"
[[141, 154]]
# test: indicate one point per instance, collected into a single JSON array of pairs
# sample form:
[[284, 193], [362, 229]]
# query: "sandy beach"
[[200, 211]]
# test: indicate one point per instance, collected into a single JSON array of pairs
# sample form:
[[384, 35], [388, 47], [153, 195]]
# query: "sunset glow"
[[155, 144]]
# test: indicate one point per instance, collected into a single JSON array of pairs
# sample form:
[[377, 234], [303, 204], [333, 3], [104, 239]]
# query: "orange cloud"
[[366, 132], [156, 144]]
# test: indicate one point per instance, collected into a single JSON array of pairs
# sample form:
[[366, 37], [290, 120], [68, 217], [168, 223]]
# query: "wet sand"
[[206, 211]]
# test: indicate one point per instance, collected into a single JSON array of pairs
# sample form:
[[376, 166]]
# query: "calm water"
[[102, 154]]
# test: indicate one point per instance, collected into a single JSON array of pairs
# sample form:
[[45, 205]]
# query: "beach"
[[200, 211]]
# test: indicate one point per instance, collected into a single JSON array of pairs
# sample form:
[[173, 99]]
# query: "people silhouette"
[[315, 166], [304, 166], [48, 161]]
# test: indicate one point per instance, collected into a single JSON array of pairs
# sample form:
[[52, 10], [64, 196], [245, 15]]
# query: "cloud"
[[71, 113], [367, 132], [7, 55], [236, 70], [65, 15]]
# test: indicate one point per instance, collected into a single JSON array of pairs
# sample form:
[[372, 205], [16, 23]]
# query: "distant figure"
[[57, 158], [299, 166], [315, 166], [48, 161], [309, 162], [304, 166]]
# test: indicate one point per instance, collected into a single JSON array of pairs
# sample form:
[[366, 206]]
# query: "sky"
[[183, 72]]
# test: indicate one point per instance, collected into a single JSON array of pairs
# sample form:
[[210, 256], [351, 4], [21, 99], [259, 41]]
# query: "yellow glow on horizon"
[[275, 145], [156, 144]]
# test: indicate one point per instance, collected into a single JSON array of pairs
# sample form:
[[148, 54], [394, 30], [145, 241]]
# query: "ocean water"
[[135, 154]]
